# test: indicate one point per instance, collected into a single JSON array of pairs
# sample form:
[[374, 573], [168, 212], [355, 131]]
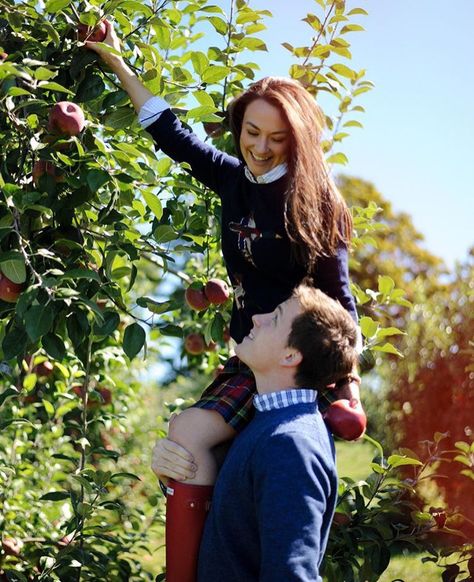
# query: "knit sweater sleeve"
[[215, 169], [292, 489]]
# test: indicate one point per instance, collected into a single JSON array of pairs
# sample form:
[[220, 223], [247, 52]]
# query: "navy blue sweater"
[[273, 501], [255, 245]]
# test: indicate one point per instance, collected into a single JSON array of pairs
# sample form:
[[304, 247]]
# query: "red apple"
[[44, 368], [346, 419], [66, 118], [9, 291], [96, 34], [12, 546], [3, 57], [196, 299], [194, 344], [341, 519], [105, 393], [217, 291], [41, 167]]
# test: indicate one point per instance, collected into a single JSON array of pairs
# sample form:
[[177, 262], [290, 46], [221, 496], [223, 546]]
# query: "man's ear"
[[291, 358]]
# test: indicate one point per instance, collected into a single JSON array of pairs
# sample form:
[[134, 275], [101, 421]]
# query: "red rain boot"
[[186, 510]]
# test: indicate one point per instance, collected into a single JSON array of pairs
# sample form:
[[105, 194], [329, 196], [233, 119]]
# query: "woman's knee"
[[197, 427]]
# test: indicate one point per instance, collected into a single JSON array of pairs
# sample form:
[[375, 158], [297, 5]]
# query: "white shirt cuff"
[[151, 111]]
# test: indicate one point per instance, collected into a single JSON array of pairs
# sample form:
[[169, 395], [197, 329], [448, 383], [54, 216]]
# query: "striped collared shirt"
[[284, 398]]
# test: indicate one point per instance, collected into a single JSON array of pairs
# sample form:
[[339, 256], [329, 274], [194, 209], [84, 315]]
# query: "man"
[[275, 495]]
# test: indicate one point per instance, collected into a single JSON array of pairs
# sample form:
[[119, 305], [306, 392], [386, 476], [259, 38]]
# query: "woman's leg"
[[199, 431]]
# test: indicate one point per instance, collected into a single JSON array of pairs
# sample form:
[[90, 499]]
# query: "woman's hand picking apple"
[[111, 40]]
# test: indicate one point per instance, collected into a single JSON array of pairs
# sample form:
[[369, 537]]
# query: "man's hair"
[[325, 335]]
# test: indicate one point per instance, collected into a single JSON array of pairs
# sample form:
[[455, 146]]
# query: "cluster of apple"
[[66, 118], [200, 297], [214, 292]]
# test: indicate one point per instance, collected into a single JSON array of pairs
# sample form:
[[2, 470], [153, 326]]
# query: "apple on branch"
[[66, 118], [346, 419], [96, 34], [196, 298], [42, 368], [194, 344], [9, 291], [217, 291]]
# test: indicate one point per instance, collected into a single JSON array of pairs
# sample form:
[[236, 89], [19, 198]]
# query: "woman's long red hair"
[[317, 217]]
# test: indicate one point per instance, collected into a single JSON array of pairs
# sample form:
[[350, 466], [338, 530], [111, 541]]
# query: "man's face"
[[264, 348]]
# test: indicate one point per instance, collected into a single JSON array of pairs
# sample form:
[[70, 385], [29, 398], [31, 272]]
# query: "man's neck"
[[276, 382]]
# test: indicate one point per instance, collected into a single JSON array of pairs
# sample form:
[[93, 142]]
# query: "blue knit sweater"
[[273, 502]]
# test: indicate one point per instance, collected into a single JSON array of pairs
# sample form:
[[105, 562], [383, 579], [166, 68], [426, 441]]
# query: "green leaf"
[[29, 382], [118, 476], [200, 62], [97, 178], [386, 285], [14, 343], [54, 346], [133, 339], [215, 74], [48, 407], [155, 306], [7, 394], [252, 43], [338, 158], [55, 496], [219, 24], [351, 28], [90, 88], [164, 233], [357, 11], [15, 270], [111, 322], [38, 321], [153, 203], [121, 118], [388, 349], [368, 326], [399, 460], [53, 6], [343, 70], [461, 445], [81, 274], [51, 86]]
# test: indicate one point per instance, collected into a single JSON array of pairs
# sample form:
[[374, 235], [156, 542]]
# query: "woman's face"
[[265, 137]]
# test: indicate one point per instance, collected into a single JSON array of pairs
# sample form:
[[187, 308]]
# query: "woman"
[[283, 220]]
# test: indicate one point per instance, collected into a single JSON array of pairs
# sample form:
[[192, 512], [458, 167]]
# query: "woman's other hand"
[[170, 460]]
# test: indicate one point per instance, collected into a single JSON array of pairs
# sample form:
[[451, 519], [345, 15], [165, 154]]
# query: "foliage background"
[[104, 249]]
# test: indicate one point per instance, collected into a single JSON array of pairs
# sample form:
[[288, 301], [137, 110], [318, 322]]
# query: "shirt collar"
[[271, 176], [284, 398]]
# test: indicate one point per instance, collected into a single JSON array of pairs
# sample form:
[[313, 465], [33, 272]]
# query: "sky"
[[417, 142]]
